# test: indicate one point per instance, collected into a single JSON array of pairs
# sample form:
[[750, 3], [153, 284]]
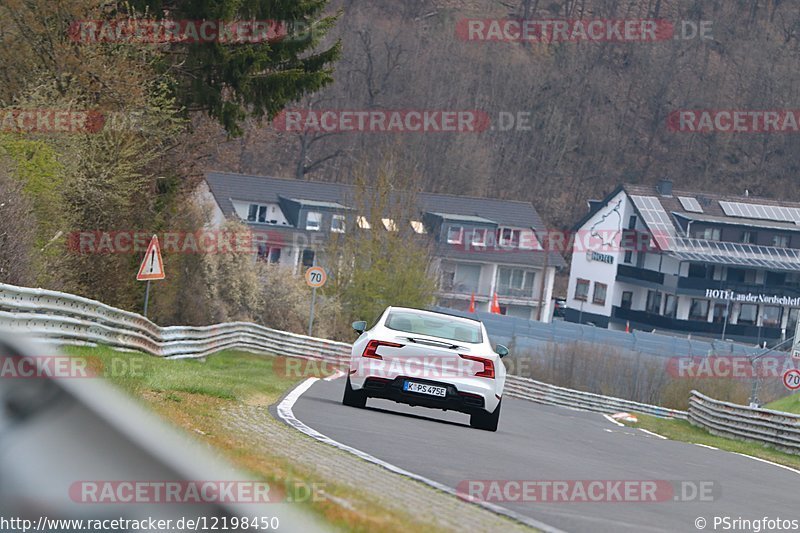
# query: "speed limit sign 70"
[[792, 379], [316, 277]]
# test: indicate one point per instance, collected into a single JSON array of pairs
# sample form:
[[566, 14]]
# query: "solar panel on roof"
[[775, 213], [690, 204]]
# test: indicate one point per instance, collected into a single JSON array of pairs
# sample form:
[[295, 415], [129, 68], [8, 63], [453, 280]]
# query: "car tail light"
[[488, 366], [371, 350]]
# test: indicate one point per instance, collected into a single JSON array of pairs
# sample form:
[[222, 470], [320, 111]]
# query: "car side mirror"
[[360, 326], [501, 350]]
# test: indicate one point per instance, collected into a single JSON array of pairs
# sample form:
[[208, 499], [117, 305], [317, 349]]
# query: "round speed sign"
[[792, 379], [316, 277]]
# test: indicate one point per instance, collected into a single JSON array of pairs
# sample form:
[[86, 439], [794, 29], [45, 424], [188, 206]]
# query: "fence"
[[61, 318], [780, 430], [530, 334]]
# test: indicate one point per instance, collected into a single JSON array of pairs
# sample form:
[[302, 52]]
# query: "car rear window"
[[446, 328]]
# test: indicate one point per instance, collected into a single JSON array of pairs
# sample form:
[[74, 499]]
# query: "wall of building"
[[608, 223]]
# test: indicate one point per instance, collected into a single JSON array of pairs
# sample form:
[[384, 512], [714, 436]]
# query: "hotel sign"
[[749, 297], [597, 256]]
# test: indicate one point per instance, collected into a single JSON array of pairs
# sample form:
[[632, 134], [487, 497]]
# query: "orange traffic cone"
[[628, 326], [495, 305], [472, 303]]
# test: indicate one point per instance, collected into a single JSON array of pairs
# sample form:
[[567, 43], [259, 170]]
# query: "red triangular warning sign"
[[152, 264]]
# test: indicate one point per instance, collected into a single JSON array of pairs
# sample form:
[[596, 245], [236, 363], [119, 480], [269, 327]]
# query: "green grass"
[[195, 394], [789, 404], [228, 375], [681, 430]]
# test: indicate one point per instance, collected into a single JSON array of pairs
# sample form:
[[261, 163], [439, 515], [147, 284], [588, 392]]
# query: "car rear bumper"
[[476, 398]]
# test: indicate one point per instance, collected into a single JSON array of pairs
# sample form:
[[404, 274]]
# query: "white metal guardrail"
[[537, 391], [777, 429], [63, 318]]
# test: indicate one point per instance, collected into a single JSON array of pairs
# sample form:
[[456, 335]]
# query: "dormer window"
[[338, 223], [313, 221], [479, 237], [509, 237], [455, 235]]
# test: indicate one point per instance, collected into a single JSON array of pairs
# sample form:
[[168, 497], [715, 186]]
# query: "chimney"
[[664, 187]]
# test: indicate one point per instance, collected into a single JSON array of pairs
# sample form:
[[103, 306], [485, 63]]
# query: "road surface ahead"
[[536, 442]]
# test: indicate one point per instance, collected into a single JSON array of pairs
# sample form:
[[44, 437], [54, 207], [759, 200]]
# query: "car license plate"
[[424, 388]]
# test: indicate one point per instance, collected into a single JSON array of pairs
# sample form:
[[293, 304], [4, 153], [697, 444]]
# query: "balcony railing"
[[641, 274], [652, 320], [515, 293]]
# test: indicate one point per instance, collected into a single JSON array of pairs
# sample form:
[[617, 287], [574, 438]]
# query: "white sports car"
[[428, 359]]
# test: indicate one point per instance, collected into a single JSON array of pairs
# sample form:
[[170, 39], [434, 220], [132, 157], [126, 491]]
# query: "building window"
[[515, 282], [771, 316], [698, 310], [455, 234], [308, 258], [389, 224], [582, 289], [479, 237], [252, 213], [775, 279], [670, 306], [268, 254], [791, 321], [719, 313], [599, 296], [418, 227], [632, 222], [313, 221], [337, 223], [711, 234], [741, 275], [262, 213], [748, 237], [700, 271], [780, 241], [362, 222], [627, 300], [628, 259], [748, 314], [509, 237], [653, 304]]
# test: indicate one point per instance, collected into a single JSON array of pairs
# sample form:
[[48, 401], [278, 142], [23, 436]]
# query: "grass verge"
[[193, 394], [789, 404], [682, 430]]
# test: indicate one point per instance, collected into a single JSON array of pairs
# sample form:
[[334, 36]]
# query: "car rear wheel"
[[353, 398], [486, 421]]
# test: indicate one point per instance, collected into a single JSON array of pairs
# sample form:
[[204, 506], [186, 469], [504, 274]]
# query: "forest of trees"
[[598, 111], [597, 117]]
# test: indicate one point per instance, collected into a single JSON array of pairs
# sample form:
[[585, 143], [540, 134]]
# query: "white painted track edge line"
[[608, 417], [759, 459], [285, 413], [653, 434]]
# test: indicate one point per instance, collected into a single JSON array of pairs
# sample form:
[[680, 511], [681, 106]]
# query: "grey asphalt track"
[[538, 442]]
